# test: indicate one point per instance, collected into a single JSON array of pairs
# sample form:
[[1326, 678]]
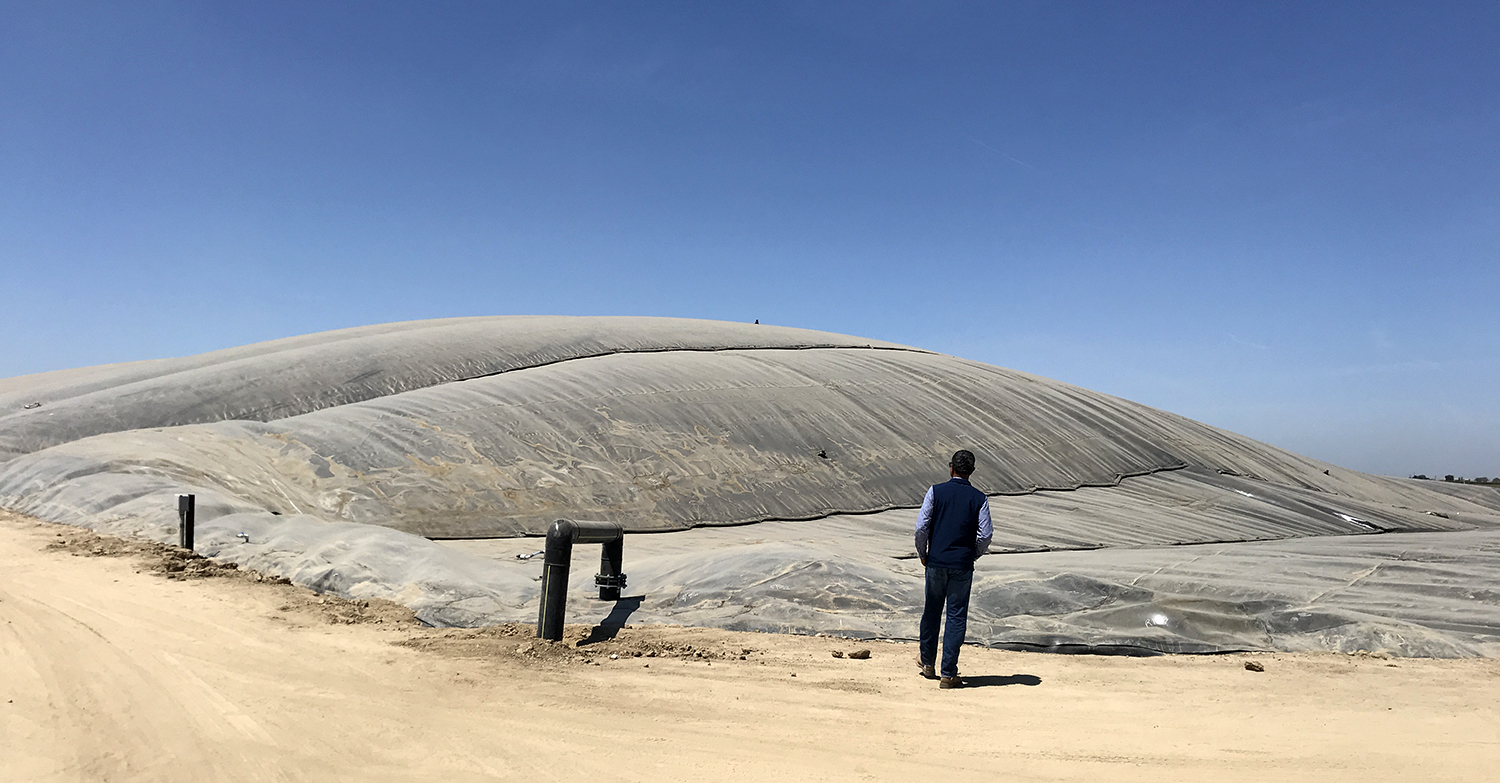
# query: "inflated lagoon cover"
[[342, 453]]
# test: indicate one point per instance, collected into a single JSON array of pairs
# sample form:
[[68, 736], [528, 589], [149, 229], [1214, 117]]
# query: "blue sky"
[[1281, 219]]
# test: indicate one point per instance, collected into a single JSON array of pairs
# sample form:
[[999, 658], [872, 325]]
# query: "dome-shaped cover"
[[478, 427]]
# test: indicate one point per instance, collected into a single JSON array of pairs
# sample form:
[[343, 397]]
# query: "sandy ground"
[[124, 661]]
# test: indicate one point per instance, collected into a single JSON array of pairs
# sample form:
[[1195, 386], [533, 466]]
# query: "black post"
[[186, 506], [558, 558]]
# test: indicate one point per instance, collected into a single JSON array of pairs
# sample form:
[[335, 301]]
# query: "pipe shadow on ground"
[[610, 626], [992, 680]]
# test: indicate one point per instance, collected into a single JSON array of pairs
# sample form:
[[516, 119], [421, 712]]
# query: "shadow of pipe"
[[610, 626], [990, 680]]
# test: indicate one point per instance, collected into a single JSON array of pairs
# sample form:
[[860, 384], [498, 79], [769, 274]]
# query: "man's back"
[[954, 534]]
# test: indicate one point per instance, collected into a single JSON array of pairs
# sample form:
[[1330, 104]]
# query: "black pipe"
[[186, 506], [557, 558], [610, 580]]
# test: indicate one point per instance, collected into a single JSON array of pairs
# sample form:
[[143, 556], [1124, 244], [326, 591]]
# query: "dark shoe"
[[926, 670], [951, 682]]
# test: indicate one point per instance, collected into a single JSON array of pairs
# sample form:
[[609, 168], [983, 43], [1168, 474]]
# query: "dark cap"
[[962, 462]]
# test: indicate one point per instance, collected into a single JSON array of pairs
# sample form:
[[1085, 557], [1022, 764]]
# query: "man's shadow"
[[610, 626], [989, 680]]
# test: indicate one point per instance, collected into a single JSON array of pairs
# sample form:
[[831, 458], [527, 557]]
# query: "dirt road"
[[121, 663]]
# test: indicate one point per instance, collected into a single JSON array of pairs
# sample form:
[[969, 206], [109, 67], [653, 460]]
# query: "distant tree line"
[[1461, 480]]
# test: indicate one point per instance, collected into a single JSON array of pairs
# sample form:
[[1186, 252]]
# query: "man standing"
[[953, 530]]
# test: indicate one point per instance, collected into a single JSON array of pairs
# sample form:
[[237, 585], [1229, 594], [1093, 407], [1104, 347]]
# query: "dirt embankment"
[[178, 564]]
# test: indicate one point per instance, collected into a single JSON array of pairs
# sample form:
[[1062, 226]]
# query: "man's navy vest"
[[955, 524]]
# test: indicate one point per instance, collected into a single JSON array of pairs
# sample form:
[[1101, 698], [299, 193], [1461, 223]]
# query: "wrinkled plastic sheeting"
[[1428, 594], [1416, 595], [658, 424], [296, 375], [1421, 594]]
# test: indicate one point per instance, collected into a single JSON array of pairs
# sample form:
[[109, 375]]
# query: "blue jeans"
[[948, 586]]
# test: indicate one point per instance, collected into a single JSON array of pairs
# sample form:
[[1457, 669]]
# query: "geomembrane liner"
[[342, 451]]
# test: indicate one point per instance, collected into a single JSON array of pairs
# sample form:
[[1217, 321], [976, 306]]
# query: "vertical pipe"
[[555, 562], [611, 560], [549, 623], [186, 507]]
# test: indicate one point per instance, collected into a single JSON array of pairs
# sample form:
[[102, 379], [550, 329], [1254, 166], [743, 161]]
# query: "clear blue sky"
[[1281, 219]]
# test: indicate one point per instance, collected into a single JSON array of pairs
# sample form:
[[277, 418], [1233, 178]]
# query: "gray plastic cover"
[[495, 427]]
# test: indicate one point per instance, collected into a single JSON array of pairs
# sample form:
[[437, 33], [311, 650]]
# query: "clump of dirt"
[[176, 563], [81, 542], [581, 644], [169, 561], [348, 611]]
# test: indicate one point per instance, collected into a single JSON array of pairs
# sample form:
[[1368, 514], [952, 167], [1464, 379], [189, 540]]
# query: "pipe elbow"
[[562, 530]]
